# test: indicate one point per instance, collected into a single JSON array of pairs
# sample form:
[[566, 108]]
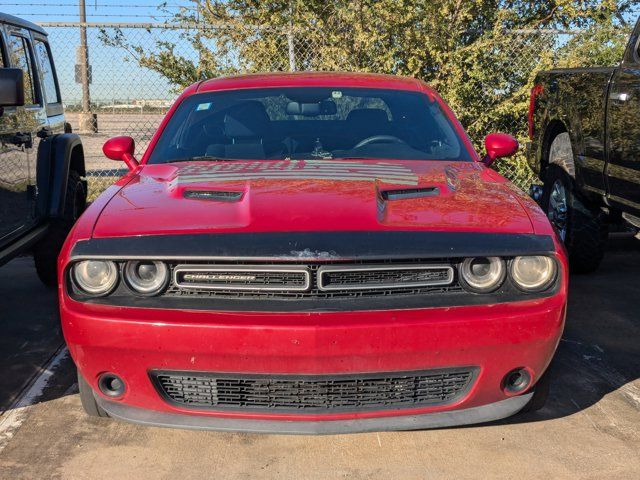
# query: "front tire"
[[45, 253], [582, 228]]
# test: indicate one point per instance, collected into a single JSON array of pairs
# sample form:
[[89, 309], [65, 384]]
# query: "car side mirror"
[[11, 87], [499, 145], [122, 149]]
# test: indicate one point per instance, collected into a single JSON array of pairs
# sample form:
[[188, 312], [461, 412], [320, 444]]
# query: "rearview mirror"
[[325, 107], [122, 149], [11, 87], [499, 145]]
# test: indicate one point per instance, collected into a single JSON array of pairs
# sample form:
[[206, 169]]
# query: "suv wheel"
[[88, 400], [45, 253], [582, 228]]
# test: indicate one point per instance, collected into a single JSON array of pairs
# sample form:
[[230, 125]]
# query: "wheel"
[[582, 228], [540, 394], [88, 400], [45, 253]]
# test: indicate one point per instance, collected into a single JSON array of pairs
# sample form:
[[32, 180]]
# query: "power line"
[[47, 4], [75, 15]]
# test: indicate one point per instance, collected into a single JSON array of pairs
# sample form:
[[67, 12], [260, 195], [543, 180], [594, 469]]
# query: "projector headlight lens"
[[95, 277], [146, 277], [533, 273], [482, 274]]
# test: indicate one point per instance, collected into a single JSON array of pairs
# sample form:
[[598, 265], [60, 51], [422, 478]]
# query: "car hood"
[[313, 195]]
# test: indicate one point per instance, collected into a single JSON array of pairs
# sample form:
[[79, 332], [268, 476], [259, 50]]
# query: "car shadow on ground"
[[30, 325], [600, 350], [598, 354]]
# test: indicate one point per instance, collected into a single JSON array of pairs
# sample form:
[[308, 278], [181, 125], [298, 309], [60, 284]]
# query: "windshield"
[[309, 123]]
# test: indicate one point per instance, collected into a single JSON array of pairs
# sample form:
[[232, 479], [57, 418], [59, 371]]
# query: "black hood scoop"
[[215, 195], [409, 193]]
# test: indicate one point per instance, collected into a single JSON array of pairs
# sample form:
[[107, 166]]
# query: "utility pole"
[[87, 119]]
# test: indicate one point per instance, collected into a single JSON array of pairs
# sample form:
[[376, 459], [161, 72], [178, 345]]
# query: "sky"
[[97, 10], [115, 80]]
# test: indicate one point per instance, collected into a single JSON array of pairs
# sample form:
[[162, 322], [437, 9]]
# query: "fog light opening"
[[111, 385], [516, 381]]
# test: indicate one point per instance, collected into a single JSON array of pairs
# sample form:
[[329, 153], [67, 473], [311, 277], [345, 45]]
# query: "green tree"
[[480, 55]]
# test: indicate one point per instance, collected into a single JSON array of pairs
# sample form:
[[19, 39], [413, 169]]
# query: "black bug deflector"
[[301, 246]]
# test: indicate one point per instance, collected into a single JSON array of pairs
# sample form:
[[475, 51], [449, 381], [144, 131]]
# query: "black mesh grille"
[[372, 290], [314, 394], [373, 278]]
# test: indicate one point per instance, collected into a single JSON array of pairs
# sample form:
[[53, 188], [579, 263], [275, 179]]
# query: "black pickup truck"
[[43, 189], [584, 125]]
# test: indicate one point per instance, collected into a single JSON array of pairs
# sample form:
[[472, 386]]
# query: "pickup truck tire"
[[45, 253], [88, 400], [583, 228]]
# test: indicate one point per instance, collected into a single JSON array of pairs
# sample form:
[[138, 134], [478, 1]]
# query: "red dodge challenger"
[[312, 253]]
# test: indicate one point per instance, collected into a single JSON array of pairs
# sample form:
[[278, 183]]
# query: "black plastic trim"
[[43, 177], [21, 243], [320, 246], [448, 418], [19, 22], [61, 147]]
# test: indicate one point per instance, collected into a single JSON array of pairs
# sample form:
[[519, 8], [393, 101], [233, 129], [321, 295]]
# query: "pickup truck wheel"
[[45, 253], [582, 228], [88, 400]]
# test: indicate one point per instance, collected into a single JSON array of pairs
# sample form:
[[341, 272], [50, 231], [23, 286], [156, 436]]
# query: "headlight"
[[146, 277], [482, 274], [95, 277], [534, 273]]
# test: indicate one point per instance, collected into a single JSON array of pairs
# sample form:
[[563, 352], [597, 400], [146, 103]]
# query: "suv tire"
[[45, 253], [583, 228], [88, 399]]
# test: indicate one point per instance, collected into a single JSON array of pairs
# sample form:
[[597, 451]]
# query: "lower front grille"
[[313, 394]]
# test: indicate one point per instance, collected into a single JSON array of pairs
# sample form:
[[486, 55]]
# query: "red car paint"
[[481, 201], [132, 340]]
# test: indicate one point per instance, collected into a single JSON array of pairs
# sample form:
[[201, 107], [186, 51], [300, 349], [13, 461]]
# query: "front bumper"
[[132, 342]]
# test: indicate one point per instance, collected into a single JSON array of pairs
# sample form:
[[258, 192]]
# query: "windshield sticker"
[[336, 94], [203, 106], [298, 170]]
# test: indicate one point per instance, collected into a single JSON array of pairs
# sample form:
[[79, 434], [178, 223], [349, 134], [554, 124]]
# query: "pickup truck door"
[[17, 128], [623, 130]]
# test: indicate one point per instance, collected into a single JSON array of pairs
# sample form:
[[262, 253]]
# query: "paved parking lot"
[[590, 428]]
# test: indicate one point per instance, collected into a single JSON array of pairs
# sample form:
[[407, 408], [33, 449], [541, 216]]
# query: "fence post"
[[290, 41], [86, 119]]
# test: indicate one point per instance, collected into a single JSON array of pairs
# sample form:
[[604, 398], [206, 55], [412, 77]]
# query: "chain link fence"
[[129, 99]]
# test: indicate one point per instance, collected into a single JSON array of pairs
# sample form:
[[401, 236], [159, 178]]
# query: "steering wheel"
[[379, 139]]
